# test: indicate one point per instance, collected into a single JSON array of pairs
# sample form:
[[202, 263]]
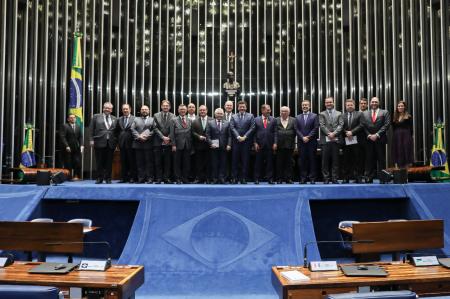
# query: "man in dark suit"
[[331, 124], [307, 126], [127, 158], [228, 113], [285, 145], [219, 139], [162, 143], [104, 140], [353, 134], [265, 131], [363, 106], [143, 130], [376, 122], [242, 127], [181, 135], [201, 145], [72, 141]]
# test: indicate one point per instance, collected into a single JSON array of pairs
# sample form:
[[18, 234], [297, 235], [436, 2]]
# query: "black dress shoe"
[[167, 181], [196, 181], [243, 182], [108, 181], [358, 181], [326, 181], [232, 181], [214, 181], [185, 181], [141, 181], [369, 181], [123, 181], [179, 182], [158, 181], [312, 182], [98, 181], [345, 181], [279, 182], [150, 181], [334, 181], [302, 181], [131, 181], [256, 182], [289, 182], [271, 182]]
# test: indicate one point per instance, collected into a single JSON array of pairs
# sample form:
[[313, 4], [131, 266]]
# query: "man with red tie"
[[265, 131], [376, 123]]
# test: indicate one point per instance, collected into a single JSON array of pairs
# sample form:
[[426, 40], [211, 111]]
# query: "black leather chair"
[[28, 292], [375, 295]]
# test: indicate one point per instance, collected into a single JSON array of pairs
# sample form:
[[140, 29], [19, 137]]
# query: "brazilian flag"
[[438, 155], [28, 159], [76, 81]]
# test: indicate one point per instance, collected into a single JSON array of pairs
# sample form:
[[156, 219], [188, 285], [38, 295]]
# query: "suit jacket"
[[309, 129], [355, 126], [138, 127], [197, 131], [380, 126], [70, 137], [331, 124], [265, 137], [223, 135], [181, 137], [125, 138], [100, 134], [242, 127], [285, 137], [162, 127]]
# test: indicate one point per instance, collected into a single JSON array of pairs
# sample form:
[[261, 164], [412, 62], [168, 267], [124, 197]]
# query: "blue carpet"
[[204, 241]]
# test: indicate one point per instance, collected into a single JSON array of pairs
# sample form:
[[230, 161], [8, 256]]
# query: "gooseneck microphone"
[[305, 248], [105, 243]]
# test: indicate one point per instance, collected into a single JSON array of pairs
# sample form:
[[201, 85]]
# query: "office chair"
[[41, 256], [42, 220], [29, 291], [86, 222], [345, 237]]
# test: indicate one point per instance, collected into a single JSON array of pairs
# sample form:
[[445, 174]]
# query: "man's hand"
[[202, 138], [256, 147], [349, 134], [68, 149], [331, 135], [305, 139], [174, 148], [274, 147], [373, 137], [166, 140], [228, 148]]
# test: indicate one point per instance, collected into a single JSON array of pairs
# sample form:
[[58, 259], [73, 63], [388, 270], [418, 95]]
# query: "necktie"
[[350, 118], [165, 117], [265, 122], [242, 115], [374, 116], [183, 120], [145, 120], [126, 121], [305, 117], [73, 127], [203, 123], [219, 124], [108, 122], [228, 116]]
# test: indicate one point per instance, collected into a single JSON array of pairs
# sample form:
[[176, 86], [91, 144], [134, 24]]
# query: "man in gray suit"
[[103, 138], [181, 136], [284, 140], [143, 130], [375, 122], [331, 124], [127, 158], [201, 145], [162, 143]]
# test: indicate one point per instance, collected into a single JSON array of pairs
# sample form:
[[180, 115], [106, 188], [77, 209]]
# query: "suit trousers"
[[284, 164], [182, 164], [375, 159], [264, 157], [307, 161], [330, 155], [352, 162], [72, 161], [241, 157], [362, 155], [127, 163], [218, 163], [144, 158], [103, 159], [202, 164], [163, 158]]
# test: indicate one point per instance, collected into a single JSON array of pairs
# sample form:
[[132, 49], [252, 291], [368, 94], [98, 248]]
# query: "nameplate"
[[323, 266], [93, 265], [421, 261]]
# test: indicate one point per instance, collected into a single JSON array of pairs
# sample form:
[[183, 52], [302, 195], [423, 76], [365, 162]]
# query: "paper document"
[[349, 141], [215, 143], [294, 276]]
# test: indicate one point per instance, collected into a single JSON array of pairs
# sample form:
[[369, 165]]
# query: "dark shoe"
[[158, 181], [271, 182], [369, 181], [131, 181], [334, 181], [168, 181], [279, 182], [214, 181], [108, 181], [312, 182], [232, 181], [150, 181], [196, 182], [345, 181], [123, 181], [179, 182], [141, 181], [302, 181], [256, 182], [98, 181], [186, 181], [289, 182], [243, 182], [222, 181], [326, 181], [358, 181]]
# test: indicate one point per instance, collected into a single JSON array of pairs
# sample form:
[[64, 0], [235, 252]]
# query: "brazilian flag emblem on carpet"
[[438, 155]]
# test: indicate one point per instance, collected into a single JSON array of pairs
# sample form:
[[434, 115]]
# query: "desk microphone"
[[305, 252], [105, 243]]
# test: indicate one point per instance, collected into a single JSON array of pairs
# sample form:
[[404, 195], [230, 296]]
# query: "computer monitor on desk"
[[398, 236]]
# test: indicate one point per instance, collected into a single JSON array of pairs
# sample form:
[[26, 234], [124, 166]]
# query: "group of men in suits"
[[200, 149]]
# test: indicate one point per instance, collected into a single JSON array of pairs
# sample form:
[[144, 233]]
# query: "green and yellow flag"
[[28, 159], [438, 155], [76, 81]]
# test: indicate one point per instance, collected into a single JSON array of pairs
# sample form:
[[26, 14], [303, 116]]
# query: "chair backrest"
[[42, 220], [57, 237], [396, 236], [28, 291], [347, 223], [375, 295], [84, 221]]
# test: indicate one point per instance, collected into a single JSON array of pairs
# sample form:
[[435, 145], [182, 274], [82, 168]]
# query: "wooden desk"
[[422, 280], [118, 282]]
